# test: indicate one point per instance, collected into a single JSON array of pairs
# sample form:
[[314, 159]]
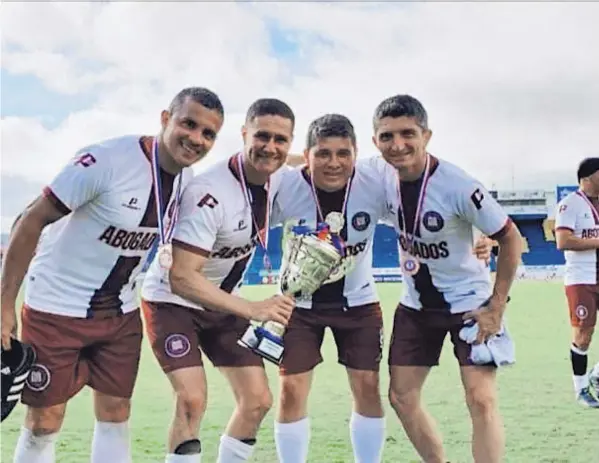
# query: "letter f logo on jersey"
[[477, 199], [86, 160], [208, 200]]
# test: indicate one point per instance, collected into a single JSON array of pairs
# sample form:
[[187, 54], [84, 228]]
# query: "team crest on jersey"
[[39, 378], [177, 345], [582, 312], [360, 220], [433, 221]]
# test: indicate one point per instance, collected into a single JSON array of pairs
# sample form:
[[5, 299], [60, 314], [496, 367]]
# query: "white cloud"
[[509, 87]]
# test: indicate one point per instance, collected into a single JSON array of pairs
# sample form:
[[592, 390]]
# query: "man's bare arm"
[[188, 281], [566, 241], [25, 236], [510, 253]]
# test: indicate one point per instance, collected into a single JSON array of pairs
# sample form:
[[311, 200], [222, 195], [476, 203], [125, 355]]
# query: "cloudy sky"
[[512, 89]]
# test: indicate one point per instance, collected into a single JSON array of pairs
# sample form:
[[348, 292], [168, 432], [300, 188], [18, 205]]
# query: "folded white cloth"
[[498, 349]]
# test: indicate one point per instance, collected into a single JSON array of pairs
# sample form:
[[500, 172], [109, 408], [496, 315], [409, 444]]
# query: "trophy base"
[[263, 343]]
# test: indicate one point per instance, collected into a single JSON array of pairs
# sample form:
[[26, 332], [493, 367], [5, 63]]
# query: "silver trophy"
[[309, 262]]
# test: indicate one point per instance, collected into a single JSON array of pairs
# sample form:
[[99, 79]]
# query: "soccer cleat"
[[594, 380], [586, 399]]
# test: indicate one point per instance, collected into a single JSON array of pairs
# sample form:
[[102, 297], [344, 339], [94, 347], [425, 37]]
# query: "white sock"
[[293, 441], [580, 382], [367, 438], [34, 449], [111, 443], [595, 370], [173, 458], [232, 450]]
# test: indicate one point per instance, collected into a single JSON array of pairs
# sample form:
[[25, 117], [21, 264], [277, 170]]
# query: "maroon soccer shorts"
[[583, 303], [101, 352], [358, 334], [177, 333], [418, 337]]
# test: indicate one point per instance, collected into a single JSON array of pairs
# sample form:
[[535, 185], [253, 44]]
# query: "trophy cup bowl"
[[308, 263]]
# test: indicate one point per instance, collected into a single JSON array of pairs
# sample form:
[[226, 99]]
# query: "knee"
[[481, 401], [255, 406], [113, 409], [191, 405], [583, 337], [293, 394], [44, 421], [404, 401], [366, 388]]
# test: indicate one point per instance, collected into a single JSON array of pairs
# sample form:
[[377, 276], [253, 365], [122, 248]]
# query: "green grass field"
[[543, 423]]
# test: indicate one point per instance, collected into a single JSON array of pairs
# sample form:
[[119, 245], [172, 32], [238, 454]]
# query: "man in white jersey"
[[351, 194], [224, 215], [436, 206], [577, 233], [100, 216], [333, 189]]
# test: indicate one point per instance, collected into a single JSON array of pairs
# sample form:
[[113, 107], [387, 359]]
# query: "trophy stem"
[[275, 328]]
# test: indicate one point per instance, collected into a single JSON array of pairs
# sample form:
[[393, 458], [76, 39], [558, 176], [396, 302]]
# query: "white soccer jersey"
[[215, 220], [365, 206], [578, 214], [451, 277], [89, 259]]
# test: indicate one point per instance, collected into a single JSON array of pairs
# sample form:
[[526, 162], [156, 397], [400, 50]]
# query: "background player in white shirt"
[[225, 214], [444, 283], [577, 233], [100, 217]]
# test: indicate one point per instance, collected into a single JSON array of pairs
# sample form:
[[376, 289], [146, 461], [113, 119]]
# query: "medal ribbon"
[[422, 192], [247, 194], [321, 217], [593, 208], [165, 235]]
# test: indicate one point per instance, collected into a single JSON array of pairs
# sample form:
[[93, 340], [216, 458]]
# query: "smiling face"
[[402, 142], [267, 140], [331, 161], [189, 132]]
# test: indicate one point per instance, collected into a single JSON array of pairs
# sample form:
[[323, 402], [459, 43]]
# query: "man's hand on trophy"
[[276, 309]]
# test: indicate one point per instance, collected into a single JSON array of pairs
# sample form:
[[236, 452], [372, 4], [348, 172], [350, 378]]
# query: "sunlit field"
[[543, 422]]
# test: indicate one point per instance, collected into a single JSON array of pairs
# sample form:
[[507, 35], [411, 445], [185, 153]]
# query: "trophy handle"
[[346, 266]]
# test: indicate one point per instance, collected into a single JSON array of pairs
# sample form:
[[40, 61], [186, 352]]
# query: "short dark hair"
[[587, 167], [330, 125], [201, 95], [399, 106], [269, 107]]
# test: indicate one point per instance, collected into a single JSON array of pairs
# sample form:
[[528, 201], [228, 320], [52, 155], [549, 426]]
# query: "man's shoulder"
[[375, 165], [449, 169], [113, 147], [290, 178], [214, 187], [217, 175], [454, 182], [571, 199]]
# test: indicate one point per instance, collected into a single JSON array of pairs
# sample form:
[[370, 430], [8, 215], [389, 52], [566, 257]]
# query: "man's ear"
[[306, 156], [165, 116]]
